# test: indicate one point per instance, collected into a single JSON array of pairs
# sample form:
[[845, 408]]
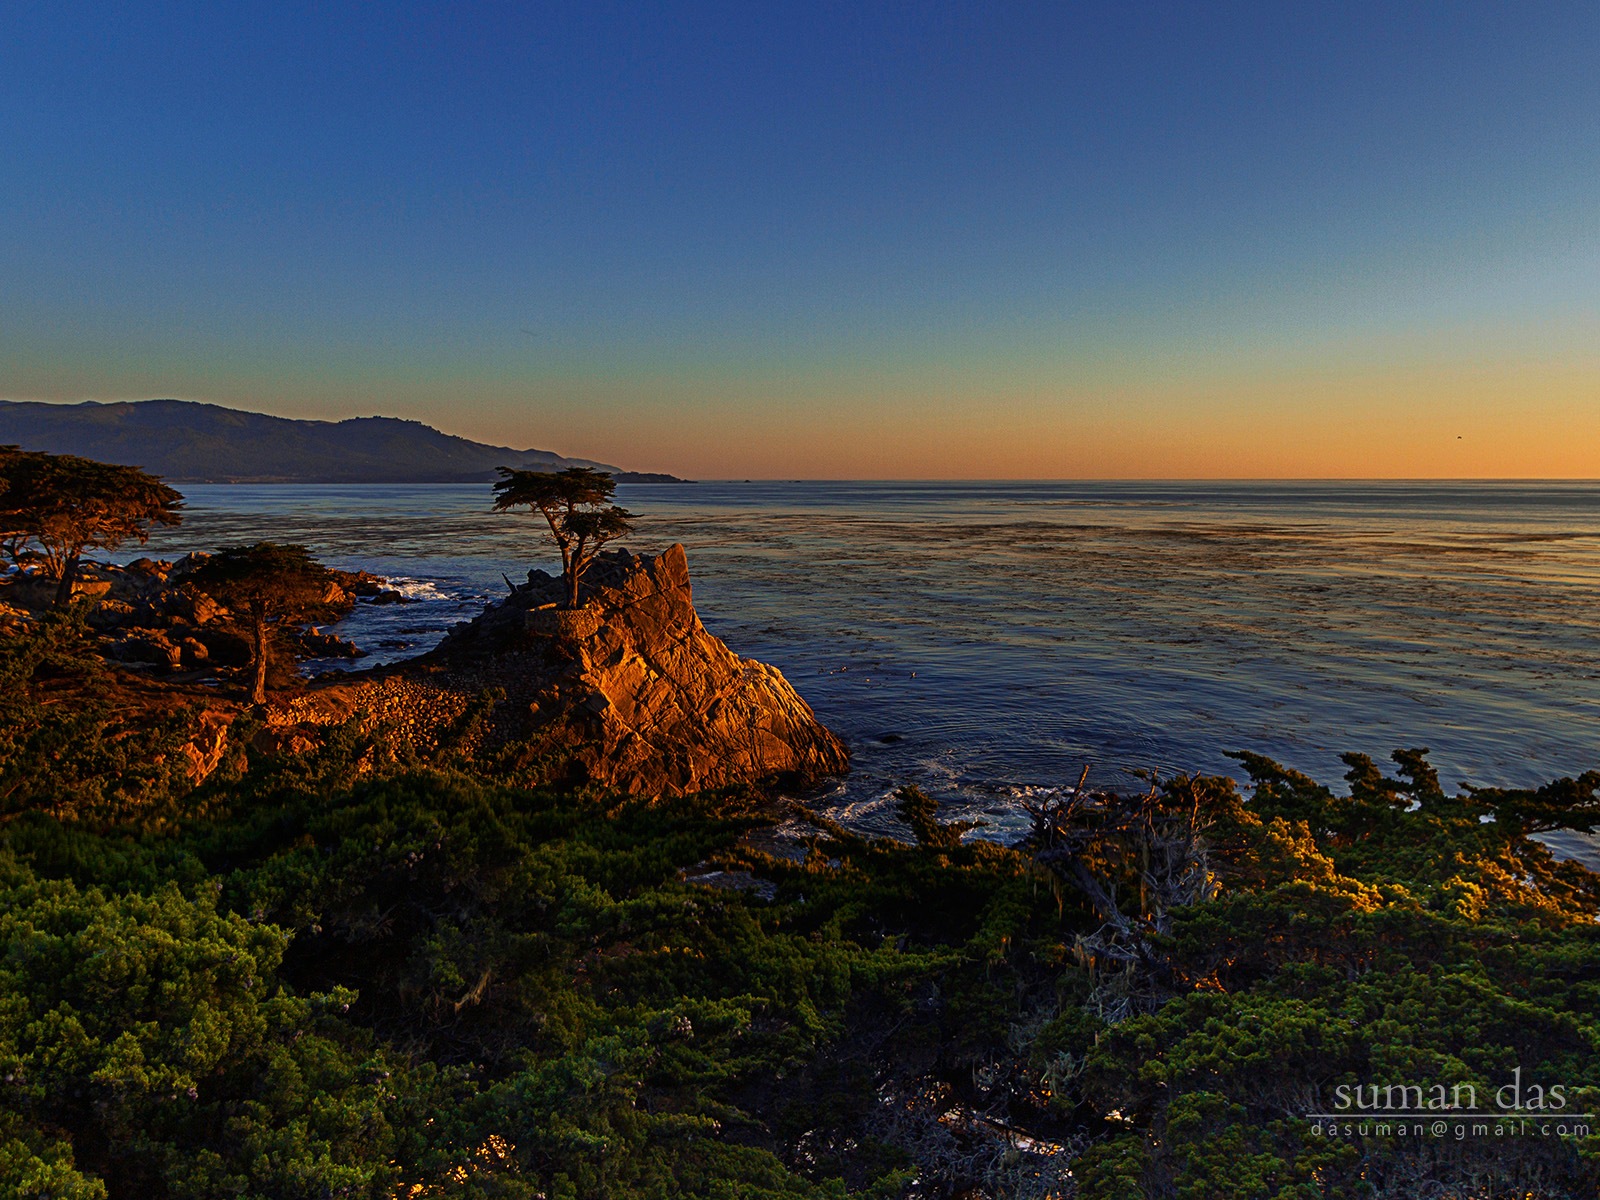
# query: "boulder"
[[316, 643], [372, 588], [151, 647], [36, 592], [193, 654], [359, 583], [155, 567], [185, 604], [134, 585], [337, 599], [203, 752], [112, 614], [186, 564]]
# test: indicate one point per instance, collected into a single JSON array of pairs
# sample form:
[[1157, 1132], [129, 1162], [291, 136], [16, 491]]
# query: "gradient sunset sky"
[[827, 240]]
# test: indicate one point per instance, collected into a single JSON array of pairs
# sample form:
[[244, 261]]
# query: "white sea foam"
[[418, 589]]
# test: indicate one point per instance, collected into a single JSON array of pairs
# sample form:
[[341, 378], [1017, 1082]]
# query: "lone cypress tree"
[[576, 503], [266, 586]]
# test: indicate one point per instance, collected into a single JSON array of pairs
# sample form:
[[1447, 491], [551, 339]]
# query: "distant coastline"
[[187, 441]]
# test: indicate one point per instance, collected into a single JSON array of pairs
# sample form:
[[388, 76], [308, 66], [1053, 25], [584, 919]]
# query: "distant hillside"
[[189, 442]]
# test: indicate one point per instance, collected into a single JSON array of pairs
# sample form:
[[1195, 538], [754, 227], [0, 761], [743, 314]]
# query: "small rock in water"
[[319, 644]]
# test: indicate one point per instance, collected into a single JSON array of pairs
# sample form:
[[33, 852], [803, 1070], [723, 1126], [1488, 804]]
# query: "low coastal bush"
[[344, 974], [65, 748]]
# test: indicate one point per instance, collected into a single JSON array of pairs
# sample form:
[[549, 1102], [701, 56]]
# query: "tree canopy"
[[65, 505], [265, 585], [576, 503]]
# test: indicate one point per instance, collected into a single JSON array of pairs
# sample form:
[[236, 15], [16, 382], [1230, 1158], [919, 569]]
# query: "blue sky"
[[827, 240]]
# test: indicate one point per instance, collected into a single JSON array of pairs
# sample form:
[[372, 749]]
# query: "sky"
[[824, 240]]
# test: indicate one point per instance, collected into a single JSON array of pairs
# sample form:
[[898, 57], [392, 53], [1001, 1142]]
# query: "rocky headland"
[[630, 692]]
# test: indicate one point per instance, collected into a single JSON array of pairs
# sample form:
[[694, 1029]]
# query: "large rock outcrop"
[[630, 691]]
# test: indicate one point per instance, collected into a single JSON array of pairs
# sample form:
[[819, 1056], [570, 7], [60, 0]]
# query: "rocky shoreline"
[[630, 692], [146, 617]]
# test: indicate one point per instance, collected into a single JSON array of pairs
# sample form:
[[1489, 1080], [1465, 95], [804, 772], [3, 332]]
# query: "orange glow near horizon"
[[1501, 417], [1506, 421]]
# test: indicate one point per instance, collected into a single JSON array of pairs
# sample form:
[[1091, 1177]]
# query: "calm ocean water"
[[986, 640]]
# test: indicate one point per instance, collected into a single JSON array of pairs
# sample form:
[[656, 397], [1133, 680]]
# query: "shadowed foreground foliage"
[[344, 975], [64, 749]]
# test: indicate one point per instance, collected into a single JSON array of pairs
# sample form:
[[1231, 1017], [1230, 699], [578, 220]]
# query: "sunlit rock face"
[[645, 698], [629, 691]]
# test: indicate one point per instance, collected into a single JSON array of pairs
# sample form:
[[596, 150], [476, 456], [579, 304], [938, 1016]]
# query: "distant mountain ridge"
[[187, 441]]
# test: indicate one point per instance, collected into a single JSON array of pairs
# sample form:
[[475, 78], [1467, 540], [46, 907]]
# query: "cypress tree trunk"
[[69, 576], [258, 691]]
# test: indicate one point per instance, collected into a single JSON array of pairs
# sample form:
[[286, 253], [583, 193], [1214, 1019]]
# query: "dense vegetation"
[[344, 973]]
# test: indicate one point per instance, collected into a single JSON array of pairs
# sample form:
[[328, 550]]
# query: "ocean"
[[986, 641]]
